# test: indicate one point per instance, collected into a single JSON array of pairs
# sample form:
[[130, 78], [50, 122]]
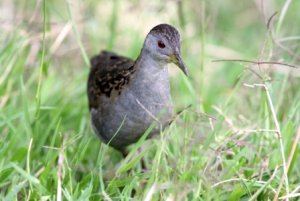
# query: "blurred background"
[[48, 150]]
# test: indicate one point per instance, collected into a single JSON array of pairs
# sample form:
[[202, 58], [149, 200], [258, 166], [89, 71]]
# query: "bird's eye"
[[161, 44]]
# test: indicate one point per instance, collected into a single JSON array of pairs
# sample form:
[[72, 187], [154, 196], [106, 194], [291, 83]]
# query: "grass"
[[239, 140]]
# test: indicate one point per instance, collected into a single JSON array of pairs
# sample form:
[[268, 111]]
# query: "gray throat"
[[151, 81]]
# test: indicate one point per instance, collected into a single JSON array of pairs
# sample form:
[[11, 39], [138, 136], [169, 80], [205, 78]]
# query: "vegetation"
[[237, 141]]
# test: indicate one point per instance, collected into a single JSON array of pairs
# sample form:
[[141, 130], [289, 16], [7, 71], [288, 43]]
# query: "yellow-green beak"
[[178, 61]]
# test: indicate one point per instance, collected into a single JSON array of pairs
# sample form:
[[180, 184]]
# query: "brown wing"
[[109, 73]]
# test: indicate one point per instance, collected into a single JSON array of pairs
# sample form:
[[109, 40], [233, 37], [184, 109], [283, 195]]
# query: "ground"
[[238, 140]]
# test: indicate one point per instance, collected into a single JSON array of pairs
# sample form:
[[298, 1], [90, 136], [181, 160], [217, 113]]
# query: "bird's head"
[[163, 44]]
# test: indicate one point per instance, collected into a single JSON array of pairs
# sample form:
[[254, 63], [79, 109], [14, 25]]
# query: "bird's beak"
[[178, 61]]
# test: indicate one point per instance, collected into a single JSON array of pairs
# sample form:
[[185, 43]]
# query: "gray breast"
[[145, 101]]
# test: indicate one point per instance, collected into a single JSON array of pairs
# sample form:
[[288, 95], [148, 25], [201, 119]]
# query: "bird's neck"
[[151, 75], [151, 67]]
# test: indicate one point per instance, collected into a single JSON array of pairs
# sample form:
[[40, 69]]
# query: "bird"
[[126, 96]]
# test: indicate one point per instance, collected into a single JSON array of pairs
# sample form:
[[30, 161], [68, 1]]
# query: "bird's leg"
[[143, 165], [124, 152], [142, 162]]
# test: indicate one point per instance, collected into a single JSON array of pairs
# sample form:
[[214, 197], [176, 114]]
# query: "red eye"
[[161, 44]]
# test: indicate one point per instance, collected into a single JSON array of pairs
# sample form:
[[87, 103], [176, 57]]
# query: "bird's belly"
[[125, 121]]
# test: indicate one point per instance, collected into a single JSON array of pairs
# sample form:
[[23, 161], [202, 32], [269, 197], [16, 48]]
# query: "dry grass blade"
[[285, 170], [291, 156], [60, 165], [256, 62]]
